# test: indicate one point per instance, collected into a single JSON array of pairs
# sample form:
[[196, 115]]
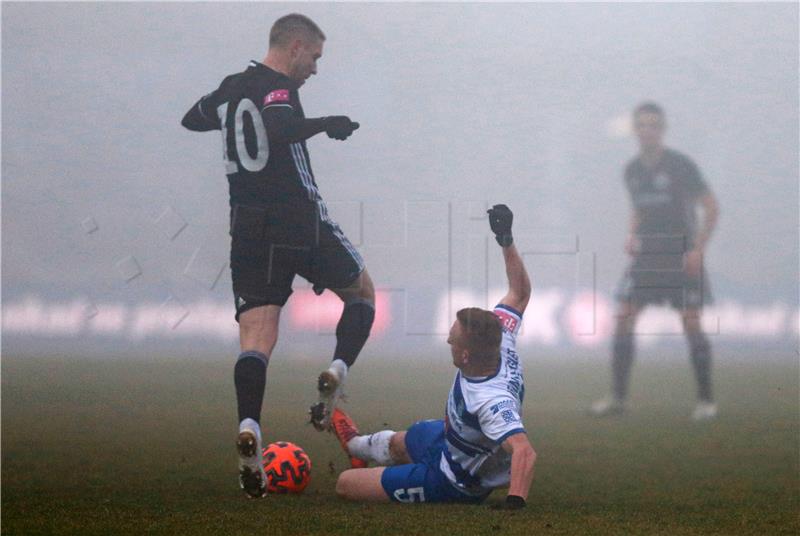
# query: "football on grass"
[[288, 467]]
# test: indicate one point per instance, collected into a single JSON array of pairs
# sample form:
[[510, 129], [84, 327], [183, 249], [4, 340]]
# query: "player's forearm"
[[710, 216], [285, 128], [197, 121], [519, 283], [522, 462]]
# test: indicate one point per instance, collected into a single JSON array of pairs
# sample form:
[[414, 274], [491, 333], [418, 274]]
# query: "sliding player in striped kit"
[[481, 444], [280, 225]]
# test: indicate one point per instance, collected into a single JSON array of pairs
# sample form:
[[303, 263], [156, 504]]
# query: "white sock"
[[250, 424], [339, 368], [373, 447]]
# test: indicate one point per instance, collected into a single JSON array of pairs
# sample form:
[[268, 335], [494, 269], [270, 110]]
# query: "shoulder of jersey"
[[683, 163], [677, 156], [273, 77], [632, 164], [477, 395]]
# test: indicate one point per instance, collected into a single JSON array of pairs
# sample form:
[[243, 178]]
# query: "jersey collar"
[[481, 379], [260, 67]]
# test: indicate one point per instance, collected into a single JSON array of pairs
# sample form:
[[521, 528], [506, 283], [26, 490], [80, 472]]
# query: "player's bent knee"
[[342, 485], [347, 485], [397, 448], [258, 328], [366, 287], [260, 319], [360, 290], [691, 321]]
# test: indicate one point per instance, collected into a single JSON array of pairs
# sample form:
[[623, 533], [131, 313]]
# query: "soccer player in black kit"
[[667, 248], [280, 225]]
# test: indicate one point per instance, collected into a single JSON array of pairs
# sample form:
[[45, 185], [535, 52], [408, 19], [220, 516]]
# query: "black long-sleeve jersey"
[[263, 132]]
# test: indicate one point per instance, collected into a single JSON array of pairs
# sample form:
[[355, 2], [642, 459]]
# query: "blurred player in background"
[[481, 444], [280, 225], [667, 247]]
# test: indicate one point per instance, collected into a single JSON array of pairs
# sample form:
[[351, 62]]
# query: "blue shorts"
[[423, 481]]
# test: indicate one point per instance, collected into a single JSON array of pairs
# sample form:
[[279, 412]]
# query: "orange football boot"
[[345, 429]]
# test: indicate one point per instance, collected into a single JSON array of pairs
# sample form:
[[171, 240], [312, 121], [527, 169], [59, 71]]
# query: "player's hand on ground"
[[500, 220], [512, 502], [339, 127], [693, 263]]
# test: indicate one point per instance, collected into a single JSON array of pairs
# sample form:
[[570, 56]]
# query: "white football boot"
[[607, 406], [252, 478], [329, 386], [704, 411]]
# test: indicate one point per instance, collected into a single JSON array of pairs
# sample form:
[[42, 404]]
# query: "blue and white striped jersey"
[[481, 414]]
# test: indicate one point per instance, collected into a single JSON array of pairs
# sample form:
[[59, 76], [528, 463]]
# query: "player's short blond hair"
[[482, 334], [291, 27]]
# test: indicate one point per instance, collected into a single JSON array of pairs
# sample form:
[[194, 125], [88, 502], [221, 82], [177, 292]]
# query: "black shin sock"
[[700, 352], [621, 362], [353, 329], [250, 378]]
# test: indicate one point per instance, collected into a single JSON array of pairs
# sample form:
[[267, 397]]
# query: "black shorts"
[[653, 279], [270, 245]]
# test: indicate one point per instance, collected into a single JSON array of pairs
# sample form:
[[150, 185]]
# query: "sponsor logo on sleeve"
[[509, 322], [505, 404], [509, 416], [279, 95]]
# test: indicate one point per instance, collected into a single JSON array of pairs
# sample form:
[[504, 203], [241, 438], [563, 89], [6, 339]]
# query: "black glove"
[[339, 127], [500, 219], [512, 502]]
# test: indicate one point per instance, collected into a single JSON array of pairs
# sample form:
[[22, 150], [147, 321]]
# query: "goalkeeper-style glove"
[[512, 502], [339, 127], [500, 219]]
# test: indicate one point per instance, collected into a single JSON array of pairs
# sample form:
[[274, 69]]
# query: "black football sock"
[[700, 351], [250, 378], [353, 329], [621, 362]]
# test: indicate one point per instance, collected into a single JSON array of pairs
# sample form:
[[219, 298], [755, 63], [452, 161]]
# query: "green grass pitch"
[[145, 446]]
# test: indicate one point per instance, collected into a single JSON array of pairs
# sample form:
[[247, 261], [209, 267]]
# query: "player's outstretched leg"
[[621, 361], [700, 353], [385, 448], [345, 430], [258, 331], [388, 448], [352, 332]]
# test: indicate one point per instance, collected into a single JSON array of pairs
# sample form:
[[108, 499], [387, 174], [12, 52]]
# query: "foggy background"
[[114, 218]]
